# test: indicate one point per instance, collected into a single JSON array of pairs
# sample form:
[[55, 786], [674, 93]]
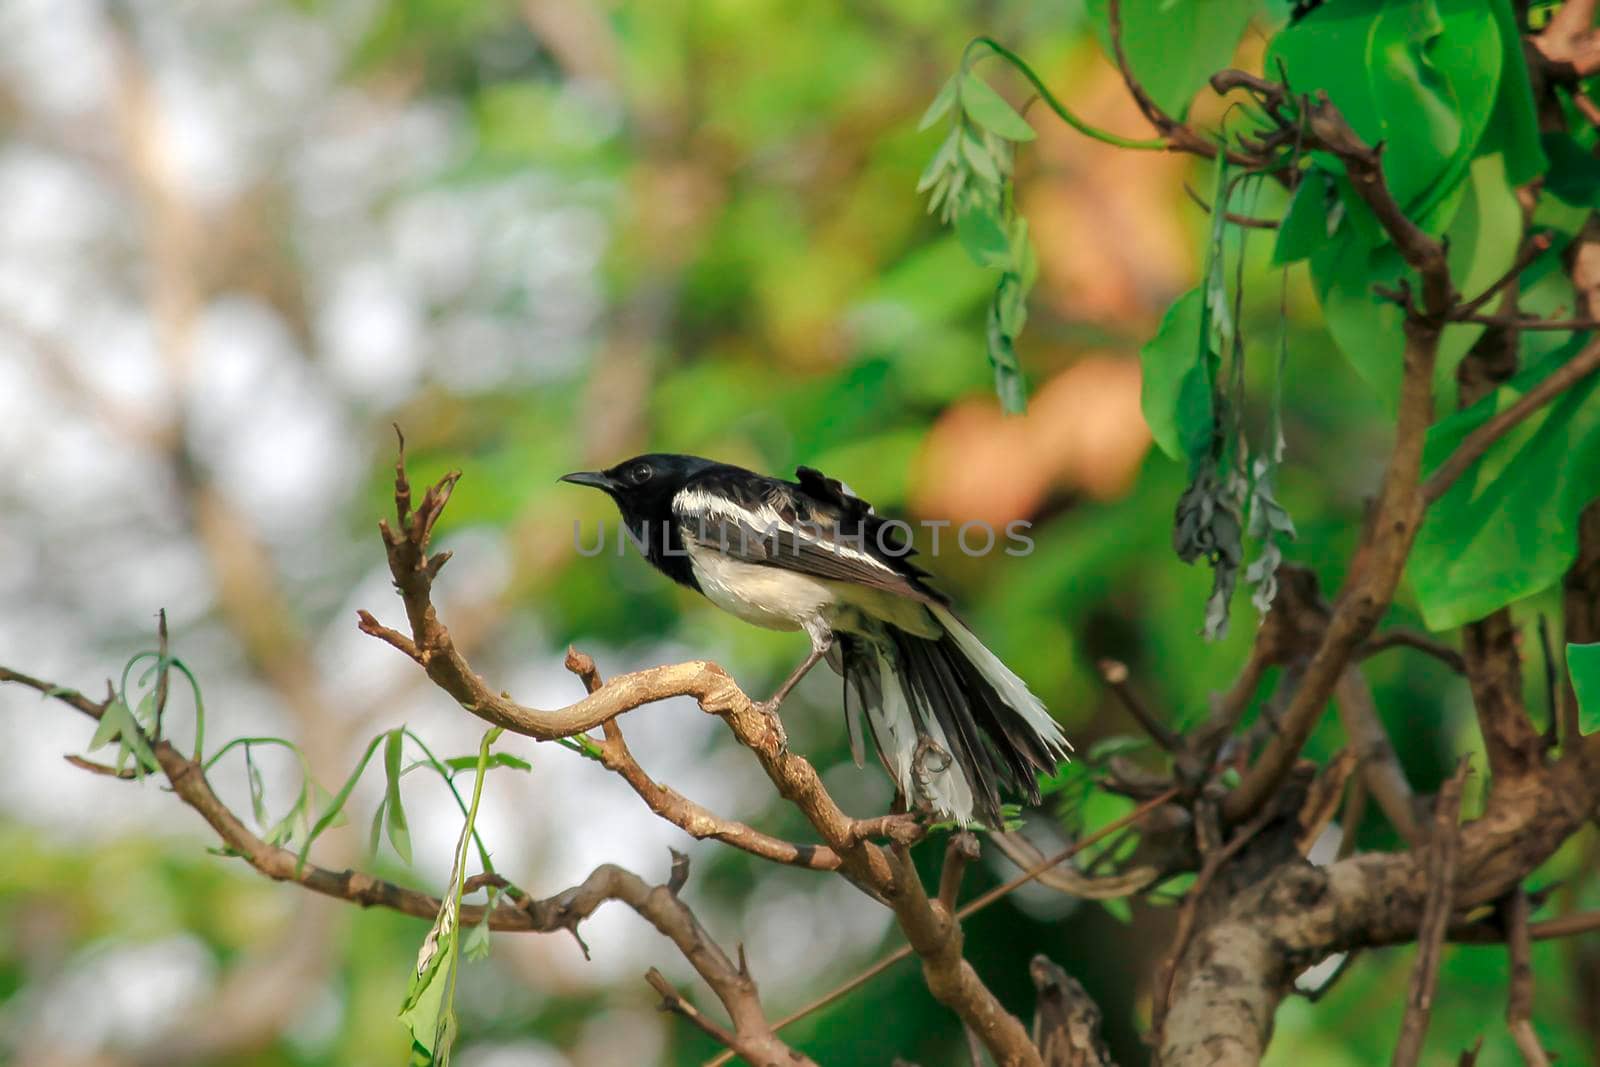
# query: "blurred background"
[[240, 238]]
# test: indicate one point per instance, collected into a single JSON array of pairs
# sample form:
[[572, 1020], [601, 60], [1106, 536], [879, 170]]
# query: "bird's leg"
[[770, 707]]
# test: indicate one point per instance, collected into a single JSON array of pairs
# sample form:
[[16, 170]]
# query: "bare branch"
[[1400, 637], [1476, 443], [962, 850], [1443, 848], [1115, 675], [697, 821], [1519, 999], [972, 907]]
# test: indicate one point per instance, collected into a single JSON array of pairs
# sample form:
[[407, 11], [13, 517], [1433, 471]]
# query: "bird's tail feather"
[[950, 722]]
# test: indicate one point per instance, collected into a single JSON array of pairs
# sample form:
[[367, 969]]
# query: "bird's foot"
[[769, 708]]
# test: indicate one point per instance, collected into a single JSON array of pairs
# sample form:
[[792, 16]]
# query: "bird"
[[951, 723]]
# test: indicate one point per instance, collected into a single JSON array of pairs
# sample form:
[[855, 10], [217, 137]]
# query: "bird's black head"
[[643, 486]]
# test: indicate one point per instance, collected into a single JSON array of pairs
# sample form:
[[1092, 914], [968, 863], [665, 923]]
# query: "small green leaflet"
[[989, 109], [428, 1011], [399, 831], [1583, 661], [1175, 393], [117, 723], [968, 182]]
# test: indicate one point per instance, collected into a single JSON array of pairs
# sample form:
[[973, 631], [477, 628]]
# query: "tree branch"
[[1476, 443], [697, 821], [1066, 1021], [753, 1037], [1519, 997], [933, 933], [1400, 637], [1380, 767], [1245, 959], [1443, 845]]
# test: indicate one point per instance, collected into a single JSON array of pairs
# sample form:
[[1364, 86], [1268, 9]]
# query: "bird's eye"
[[639, 473]]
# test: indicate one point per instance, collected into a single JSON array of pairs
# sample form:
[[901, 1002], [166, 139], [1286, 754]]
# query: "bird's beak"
[[593, 479]]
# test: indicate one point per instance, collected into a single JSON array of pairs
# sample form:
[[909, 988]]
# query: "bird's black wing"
[[813, 526]]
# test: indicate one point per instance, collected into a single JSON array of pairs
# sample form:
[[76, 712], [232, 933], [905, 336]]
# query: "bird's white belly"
[[764, 596]]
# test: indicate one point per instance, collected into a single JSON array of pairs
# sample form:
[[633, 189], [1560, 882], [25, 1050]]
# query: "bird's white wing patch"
[[698, 510]]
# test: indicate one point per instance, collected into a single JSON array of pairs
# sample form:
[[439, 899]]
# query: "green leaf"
[[258, 790], [943, 100], [335, 806], [1115, 745], [1006, 316], [375, 832], [475, 943], [942, 159], [1482, 239], [1174, 46], [118, 724], [1119, 909], [976, 153], [1420, 76], [1583, 661], [984, 238], [989, 109], [1305, 226], [1574, 175], [496, 759], [1514, 129], [426, 1012], [399, 832], [1175, 394], [1507, 528]]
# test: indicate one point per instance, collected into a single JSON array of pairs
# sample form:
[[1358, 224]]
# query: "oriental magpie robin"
[[951, 723]]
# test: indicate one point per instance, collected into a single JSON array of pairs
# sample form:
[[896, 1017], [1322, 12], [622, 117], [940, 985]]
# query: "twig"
[[1519, 999], [697, 821], [1247, 221], [1443, 845], [1115, 675], [672, 1001], [1531, 250], [885, 876], [1355, 809], [1518, 322], [962, 850], [1179, 136], [1400, 637], [1476, 443]]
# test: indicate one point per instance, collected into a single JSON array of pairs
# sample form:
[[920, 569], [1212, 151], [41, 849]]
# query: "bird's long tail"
[[952, 724]]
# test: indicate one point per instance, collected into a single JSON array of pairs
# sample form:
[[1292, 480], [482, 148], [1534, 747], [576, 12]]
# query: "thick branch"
[[1066, 1021], [935, 935], [1245, 960]]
